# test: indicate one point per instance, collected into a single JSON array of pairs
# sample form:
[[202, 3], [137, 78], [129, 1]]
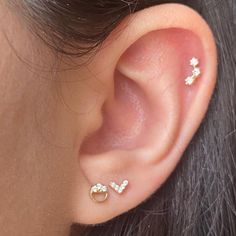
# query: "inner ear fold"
[[126, 118]]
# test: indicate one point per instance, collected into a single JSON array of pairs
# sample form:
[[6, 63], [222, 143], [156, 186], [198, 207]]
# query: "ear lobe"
[[149, 113]]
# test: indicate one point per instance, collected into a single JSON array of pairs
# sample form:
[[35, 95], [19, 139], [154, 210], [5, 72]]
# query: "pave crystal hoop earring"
[[196, 72], [99, 193]]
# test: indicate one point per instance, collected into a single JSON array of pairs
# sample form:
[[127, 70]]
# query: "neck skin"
[[36, 180]]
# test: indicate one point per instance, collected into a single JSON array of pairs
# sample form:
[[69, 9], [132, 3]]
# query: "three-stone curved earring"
[[99, 193], [196, 72]]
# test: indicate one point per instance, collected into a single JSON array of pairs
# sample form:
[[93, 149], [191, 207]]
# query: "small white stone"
[[122, 187], [194, 61], [125, 182], [99, 185], [189, 80], [120, 190], [94, 189], [117, 188], [196, 71]]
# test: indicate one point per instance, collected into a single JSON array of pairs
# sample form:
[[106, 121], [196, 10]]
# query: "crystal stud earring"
[[119, 188], [196, 72], [99, 193]]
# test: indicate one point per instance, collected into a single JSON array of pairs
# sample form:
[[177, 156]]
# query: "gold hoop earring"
[[99, 193]]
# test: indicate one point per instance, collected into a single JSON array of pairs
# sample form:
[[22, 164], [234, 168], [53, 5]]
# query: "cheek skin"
[[35, 177]]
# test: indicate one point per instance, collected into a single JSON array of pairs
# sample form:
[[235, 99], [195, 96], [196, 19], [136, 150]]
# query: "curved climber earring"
[[99, 193], [194, 62]]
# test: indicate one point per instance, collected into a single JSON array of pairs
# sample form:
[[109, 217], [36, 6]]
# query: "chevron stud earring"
[[119, 188]]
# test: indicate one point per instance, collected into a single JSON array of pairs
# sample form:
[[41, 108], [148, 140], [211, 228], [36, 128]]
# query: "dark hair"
[[200, 196]]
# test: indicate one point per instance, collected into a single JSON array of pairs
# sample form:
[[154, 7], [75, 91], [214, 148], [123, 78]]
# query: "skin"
[[64, 129]]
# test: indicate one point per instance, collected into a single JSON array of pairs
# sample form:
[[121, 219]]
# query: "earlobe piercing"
[[99, 193], [121, 188], [194, 62]]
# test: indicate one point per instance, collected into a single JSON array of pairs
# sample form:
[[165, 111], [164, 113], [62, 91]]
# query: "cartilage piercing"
[[196, 72]]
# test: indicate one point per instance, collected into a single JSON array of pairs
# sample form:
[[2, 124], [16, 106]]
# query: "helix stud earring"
[[99, 193], [119, 188], [194, 62]]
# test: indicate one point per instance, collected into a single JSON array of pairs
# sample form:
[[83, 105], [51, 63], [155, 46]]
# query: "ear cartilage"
[[98, 189], [196, 72], [119, 188]]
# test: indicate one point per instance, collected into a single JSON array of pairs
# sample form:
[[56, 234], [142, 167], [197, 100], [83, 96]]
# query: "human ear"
[[148, 114]]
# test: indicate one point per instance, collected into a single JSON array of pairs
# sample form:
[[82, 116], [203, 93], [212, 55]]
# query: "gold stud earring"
[[194, 62], [99, 193]]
